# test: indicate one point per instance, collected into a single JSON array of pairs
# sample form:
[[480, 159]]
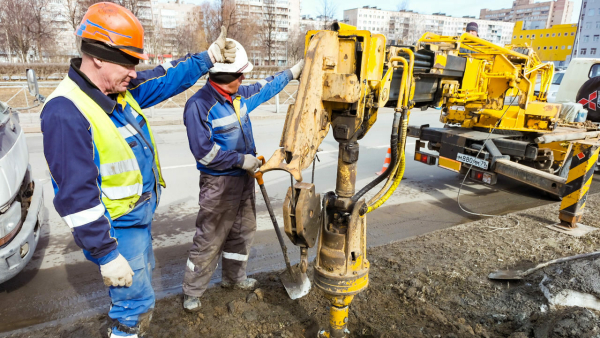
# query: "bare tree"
[[42, 27], [154, 42], [133, 5], [296, 43], [74, 10], [241, 25], [190, 36], [15, 16], [268, 29], [403, 5], [327, 12]]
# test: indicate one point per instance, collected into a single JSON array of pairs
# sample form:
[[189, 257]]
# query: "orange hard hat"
[[115, 26]]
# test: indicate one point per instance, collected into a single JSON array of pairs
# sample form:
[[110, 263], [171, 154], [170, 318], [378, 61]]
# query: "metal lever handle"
[[258, 175]]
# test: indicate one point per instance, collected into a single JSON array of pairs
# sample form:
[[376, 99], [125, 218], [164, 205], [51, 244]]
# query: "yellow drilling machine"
[[487, 100]]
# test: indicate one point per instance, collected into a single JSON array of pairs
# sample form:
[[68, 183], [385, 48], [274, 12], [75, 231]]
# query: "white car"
[[22, 208], [554, 85]]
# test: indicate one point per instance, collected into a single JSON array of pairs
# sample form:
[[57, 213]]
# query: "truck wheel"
[[588, 96]]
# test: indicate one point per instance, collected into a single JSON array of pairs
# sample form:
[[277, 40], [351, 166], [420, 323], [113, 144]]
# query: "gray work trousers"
[[226, 224]]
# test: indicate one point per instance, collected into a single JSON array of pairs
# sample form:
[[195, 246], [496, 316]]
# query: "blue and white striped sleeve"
[[263, 90], [153, 86], [70, 154]]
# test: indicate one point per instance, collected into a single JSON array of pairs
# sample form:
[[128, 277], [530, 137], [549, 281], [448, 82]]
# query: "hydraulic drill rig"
[[347, 77], [342, 86]]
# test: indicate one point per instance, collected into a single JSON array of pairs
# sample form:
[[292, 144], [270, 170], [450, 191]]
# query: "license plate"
[[476, 162]]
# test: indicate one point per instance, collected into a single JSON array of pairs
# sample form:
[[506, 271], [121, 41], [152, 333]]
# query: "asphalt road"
[[59, 285]]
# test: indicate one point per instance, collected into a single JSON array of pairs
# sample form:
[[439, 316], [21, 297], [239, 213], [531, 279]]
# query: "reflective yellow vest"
[[121, 179]]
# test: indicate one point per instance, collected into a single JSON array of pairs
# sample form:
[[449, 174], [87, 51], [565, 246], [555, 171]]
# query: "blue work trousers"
[[133, 304]]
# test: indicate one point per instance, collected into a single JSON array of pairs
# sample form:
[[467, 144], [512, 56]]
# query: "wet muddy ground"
[[430, 286]]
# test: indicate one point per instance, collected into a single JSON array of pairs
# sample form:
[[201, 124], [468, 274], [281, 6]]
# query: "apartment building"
[[162, 36], [551, 44], [406, 27], [286, 17], [535, 15], [587, 43]]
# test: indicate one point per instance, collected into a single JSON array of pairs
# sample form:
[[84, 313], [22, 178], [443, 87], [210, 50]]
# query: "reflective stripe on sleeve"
[[115, 193], [85, 216], [243, 111], [128, 130], [211, 155], [190, 265], [223, 121], [108, 169], [235, 256]]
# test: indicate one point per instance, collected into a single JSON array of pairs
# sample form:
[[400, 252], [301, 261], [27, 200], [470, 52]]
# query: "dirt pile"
[[430, 286]]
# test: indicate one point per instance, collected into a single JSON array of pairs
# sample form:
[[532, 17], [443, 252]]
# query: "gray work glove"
[[222, 51], [117, 272], [250, 163], [297, 69]]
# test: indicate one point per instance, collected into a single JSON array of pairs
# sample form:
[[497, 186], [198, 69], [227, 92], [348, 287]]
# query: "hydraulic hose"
[[398, 174], [394, 159], [389, 180], [402, 101]]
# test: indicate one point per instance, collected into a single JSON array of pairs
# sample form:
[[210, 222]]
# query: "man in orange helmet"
[[102, 155]]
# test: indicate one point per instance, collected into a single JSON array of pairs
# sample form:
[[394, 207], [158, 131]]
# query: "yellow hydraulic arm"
[[342, 87]]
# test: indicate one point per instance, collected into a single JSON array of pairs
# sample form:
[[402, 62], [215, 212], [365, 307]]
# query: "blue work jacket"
[[217, 139], [73, 159]]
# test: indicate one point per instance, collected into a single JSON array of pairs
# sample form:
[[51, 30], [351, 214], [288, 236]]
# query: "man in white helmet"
[[220, 136]]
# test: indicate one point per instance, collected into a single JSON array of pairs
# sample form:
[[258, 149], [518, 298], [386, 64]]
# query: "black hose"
[[418, 56], [394, 159]]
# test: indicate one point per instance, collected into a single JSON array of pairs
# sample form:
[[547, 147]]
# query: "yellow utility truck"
[[495, 122]]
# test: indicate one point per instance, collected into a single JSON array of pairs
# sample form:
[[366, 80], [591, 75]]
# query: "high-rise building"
[[276, 20], [551, 44], [535, 15], [163, 35], [406, 27], [587, 41]]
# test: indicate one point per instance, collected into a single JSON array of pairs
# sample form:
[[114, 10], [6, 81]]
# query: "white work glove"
[[222, 51], [297, 69], [251, 163], [117, 272]]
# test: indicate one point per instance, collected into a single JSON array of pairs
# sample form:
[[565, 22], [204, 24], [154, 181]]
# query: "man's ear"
[[98, 63]]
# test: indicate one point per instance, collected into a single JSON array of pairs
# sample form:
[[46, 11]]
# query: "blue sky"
[[453, 7]]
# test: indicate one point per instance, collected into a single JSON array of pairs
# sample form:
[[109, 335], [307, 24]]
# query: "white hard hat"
[[241, 64]]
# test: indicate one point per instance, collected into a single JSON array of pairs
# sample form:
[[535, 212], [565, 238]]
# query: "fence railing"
[[22, 98]]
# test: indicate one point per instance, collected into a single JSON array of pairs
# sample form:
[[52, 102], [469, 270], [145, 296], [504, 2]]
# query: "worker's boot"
[[191, 303], [249, 284]]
